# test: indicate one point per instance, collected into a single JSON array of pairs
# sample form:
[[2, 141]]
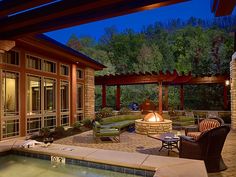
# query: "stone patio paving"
[[132, 142]]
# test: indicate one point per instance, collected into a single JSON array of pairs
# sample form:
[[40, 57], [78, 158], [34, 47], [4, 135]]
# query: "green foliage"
[[124, 111], [193, 45], [87, 122], [77, 125], [104, 112], [44, 132], [59, 131]]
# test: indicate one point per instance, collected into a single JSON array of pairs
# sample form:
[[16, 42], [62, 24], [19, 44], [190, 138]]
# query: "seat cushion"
[[208, 124], [194, 135]]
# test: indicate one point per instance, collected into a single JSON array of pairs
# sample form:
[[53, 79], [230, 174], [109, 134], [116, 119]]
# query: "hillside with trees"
[[200, 46]]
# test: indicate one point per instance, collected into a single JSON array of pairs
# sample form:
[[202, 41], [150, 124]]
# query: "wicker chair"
[[204, 125], [207, 147]]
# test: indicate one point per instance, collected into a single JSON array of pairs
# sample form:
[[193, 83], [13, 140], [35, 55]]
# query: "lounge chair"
[[207, 147], [99, 132], [204, 125]]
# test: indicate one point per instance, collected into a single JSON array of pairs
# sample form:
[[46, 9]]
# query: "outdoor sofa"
[[99, 132], [120, 122]]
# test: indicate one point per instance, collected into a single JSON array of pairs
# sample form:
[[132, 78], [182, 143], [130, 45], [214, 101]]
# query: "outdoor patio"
[[132, 142]]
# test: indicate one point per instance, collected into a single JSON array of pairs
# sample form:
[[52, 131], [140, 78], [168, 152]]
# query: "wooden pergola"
[[161, 79]]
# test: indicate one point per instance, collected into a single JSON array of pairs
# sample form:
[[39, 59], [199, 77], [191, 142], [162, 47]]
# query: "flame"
[[153, 117]]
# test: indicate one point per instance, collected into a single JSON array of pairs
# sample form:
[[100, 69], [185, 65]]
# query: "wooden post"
[[225, 98], [166, 97], [160, 98], [181, 97], [73, 117], [118, 97], [104, 99]]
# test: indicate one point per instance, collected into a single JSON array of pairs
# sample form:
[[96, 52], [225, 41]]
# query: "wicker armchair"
[[207, 147], [204, 125]]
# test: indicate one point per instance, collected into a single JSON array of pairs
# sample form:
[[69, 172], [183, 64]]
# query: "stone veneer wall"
[[145, 128], [233, 90], [89, 88]]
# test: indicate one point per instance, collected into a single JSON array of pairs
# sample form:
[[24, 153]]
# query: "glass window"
[[10, 128], [65, 120], [79, 97], [33, 95], [79, 116], [65, 70], [49, 66], [50, 95], [50, 121], [64, 96], [11, 57], [33, 62], [10, 90], [79, 74], [1, 57], [33, 124]]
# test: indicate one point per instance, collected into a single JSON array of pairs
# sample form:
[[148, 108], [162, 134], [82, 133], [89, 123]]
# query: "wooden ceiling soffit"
[[222, 7], [54, 50], [66, 14], [8, 7]]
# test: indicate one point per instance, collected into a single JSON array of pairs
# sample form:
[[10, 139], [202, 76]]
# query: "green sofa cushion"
[[119, 118], [119, 125]]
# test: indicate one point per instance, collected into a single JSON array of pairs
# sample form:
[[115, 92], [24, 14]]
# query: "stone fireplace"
[[153, 123]]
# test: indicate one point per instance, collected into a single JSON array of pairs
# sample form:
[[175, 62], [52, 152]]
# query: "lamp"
[[227, 82]]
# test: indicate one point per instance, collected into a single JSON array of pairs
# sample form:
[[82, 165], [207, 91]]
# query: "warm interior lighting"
[[227, 82], [153, 117]]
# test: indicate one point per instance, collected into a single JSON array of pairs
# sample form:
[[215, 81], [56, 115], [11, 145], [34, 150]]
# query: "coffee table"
[[169, 141]]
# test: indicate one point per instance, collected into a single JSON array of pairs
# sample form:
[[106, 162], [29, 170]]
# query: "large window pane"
[[33, 124], [64, 70], [79, 97], [50, 121], [49, 66], [65, 120], [10, 128], [64, 96], [33, 62], [10, 93], [11, 57], [50, 95], [33, 95]]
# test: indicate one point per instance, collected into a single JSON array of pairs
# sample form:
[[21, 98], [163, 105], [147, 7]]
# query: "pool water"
[[21, 166]]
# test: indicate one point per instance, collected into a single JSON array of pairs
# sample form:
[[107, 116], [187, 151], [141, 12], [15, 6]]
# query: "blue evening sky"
[[185, 10]]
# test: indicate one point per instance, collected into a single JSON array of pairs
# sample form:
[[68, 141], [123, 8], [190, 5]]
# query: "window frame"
[[19, 62], [68, 66]]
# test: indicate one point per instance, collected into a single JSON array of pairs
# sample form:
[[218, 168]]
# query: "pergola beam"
[[167, 78]]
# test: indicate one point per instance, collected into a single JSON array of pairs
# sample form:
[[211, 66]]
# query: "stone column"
[[89, 90], [233, 90]]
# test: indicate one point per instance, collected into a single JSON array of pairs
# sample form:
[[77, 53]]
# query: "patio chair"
[[99, 132], [207, 147], [204, 125]]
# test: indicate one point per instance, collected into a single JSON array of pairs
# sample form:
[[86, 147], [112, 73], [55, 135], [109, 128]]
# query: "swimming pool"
[[21, 166]]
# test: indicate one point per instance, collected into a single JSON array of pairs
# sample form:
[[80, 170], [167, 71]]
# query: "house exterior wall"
[[23, 117], [233, 91], [89, 94]]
